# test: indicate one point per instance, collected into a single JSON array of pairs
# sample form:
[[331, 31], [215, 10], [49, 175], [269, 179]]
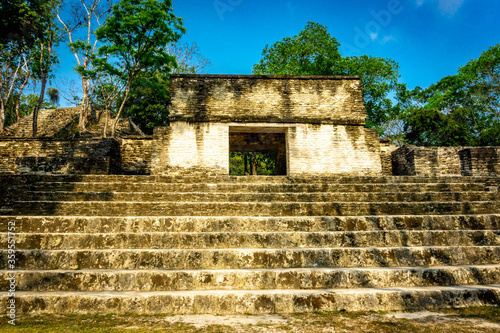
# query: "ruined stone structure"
[[315, 124], [156, 224]]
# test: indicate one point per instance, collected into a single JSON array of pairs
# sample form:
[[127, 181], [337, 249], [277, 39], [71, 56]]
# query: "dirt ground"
[[479, 319]]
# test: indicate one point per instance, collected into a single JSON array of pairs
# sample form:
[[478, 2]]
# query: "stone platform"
[[226, 245]]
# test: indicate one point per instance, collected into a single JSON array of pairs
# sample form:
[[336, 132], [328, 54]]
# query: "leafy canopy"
[[136, 36], [315, 52], [135, 40], [312, 52], [461, 109]]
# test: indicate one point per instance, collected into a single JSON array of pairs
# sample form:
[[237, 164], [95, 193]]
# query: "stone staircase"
[[51, 123], [224, 245]]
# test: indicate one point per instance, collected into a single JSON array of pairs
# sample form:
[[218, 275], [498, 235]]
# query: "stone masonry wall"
[[449, 161], [415, 161], [330, 149], [267, 99], [190, 148], [386, 149], [135, 155], [480, 161], [446, 161], [91, 156]]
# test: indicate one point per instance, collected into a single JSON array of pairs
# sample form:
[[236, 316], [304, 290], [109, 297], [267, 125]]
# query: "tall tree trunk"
[[121, 108], [16, 108], [105, 132], [39, 104], [254, 165], [245, 162], [2, 117], [85, 106], [20, 93]]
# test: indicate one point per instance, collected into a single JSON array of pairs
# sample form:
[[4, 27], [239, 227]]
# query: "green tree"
[[20, 22], [149, 95], [134, 40], [312, 52], [379, 79], [148, 101], [29, 29], [83, 18], [315, 52], [459, 110]]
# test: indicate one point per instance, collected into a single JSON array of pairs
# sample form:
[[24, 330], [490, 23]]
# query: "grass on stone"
[[466, 320]]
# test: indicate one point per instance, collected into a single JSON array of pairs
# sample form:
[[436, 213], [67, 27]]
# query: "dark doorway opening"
[[253, 153]]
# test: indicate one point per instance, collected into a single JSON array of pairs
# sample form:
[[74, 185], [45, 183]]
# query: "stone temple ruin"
[[155, 224]]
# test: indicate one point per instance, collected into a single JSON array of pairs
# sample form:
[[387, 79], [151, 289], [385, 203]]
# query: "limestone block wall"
[[135, 155], [480, 161], [267, 99], [446, 161], [415, 161], [189, 148], [330, 149], [91, 156], [449, 161], [386, 149]]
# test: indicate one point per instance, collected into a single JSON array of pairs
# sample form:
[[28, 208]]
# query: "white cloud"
[[373, 36], [450, 7], [387, 39], [445, 7]]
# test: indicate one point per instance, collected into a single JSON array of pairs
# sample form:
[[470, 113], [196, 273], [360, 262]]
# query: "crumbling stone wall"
[[135, 155], [386, 149], [446, 161], [330, 149], [480, 161], [449, 161], [90, 156], [52, 123], [415, 161]]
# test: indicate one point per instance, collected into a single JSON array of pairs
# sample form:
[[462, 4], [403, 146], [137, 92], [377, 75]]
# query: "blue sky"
[[428, 38]]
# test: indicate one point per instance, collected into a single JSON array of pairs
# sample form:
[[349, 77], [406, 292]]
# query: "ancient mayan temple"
[[157, 225]]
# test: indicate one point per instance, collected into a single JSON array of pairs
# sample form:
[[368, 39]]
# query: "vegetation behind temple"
[[459, 110]]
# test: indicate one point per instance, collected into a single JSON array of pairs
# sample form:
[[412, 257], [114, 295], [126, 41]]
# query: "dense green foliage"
[[28, 41], [252, 163], [139, 49], [315, 52], [459, 110], [134, 41], [148, 101]]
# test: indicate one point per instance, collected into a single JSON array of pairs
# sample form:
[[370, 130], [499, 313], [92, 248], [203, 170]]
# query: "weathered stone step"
[[262, 197], [253, 258], [249, 179], [260, 240], [249, 187], [255, 302], [116, 208], [98, 224], [257, 279]]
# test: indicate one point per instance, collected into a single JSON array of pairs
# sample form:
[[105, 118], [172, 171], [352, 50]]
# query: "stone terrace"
[[225, 245]]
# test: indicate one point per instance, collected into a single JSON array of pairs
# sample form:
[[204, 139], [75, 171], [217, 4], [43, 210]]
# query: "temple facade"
[[313, 124]]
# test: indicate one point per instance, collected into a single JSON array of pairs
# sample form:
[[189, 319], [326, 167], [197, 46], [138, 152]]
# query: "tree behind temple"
[[315, 52], [134, 39]]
